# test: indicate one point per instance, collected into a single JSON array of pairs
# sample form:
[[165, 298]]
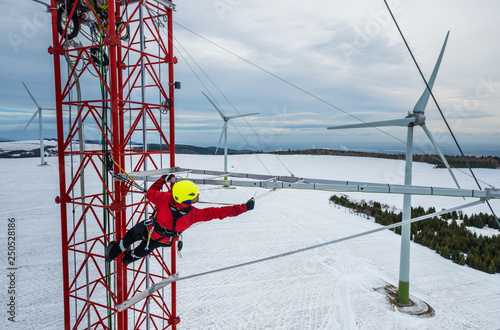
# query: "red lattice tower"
[[111, 80]]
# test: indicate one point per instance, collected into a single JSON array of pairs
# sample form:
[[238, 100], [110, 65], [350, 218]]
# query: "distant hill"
[[194, 150], [454, 161], [31, 150], [187, 149]]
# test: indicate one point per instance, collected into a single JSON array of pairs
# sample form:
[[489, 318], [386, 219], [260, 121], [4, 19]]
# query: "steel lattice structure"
[[124, 48]]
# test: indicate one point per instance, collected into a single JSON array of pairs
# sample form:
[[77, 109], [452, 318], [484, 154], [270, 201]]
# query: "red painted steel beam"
[[120, 226], [62, 170]]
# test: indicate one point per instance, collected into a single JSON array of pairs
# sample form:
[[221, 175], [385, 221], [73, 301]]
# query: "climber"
[[173, 214]]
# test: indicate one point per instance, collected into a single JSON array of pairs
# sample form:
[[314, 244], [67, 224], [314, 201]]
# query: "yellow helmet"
[[184, 191]]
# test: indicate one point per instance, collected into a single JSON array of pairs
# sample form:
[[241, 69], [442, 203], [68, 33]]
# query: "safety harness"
[[164, 232]]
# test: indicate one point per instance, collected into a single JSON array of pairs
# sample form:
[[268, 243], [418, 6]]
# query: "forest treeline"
[[447, 234], [454, 161]]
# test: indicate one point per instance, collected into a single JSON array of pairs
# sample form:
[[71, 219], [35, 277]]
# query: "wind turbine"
[[416, 118], [40, 124], [224, 128]]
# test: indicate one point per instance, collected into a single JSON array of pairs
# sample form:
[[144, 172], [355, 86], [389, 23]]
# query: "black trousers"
[[137, 233]]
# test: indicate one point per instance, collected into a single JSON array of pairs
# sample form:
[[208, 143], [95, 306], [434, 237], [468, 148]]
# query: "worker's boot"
[[129, 257], [112, 251]]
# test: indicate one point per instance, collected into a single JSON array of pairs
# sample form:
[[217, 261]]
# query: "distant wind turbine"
[[416, 118], [224, 128], [40, 124]]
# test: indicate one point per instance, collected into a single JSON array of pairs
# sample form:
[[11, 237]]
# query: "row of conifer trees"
[[447, 235]]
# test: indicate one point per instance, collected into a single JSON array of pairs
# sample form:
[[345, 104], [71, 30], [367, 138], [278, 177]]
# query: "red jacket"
[[163, 200]]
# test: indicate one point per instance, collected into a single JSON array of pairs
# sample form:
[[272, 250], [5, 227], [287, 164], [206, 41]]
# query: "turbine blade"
[[429, 135], [404, 122], [239, 116], [422, 102], [224, 131], [32, 117], [218, 110], [31, 96]]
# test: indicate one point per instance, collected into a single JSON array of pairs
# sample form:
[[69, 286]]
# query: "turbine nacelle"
[[418, 117]]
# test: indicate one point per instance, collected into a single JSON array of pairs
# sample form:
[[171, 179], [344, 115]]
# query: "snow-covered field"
[[340, 286]]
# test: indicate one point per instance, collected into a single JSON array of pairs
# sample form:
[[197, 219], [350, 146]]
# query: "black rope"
[[439, 108]]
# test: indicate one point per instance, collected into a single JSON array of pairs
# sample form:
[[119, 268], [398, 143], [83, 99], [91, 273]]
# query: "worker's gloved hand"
[[250, 204], [167, 177]]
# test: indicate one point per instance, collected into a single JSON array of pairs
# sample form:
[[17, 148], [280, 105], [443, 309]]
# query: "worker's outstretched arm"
[[211, 213]]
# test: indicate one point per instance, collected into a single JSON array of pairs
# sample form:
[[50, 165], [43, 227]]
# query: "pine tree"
[[461, 260], [445, 252], [450, 240]]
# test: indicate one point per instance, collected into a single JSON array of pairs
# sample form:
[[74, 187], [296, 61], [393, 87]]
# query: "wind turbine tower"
[[40, 124], [416, 118], [224, 128]]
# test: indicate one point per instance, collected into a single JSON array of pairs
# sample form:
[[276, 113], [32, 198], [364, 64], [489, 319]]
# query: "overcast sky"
[[332, 62]]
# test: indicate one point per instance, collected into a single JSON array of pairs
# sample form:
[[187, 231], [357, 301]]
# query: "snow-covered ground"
[[340, 286]]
